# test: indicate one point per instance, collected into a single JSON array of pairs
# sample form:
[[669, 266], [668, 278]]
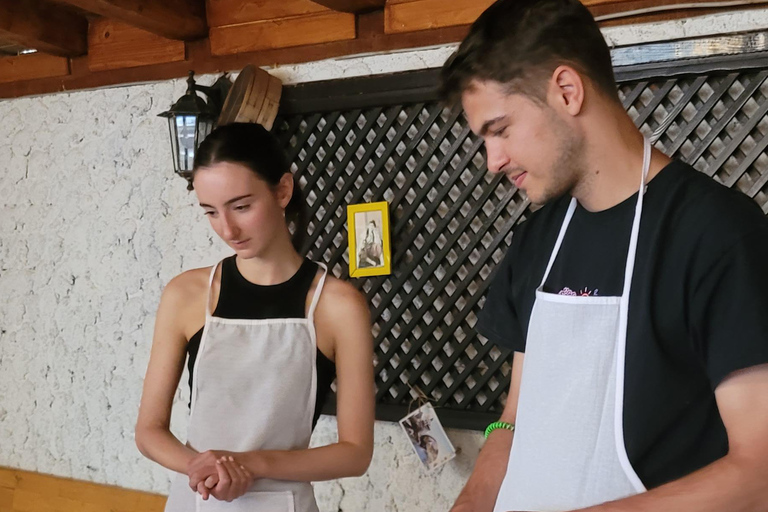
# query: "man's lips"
[[519, 178]]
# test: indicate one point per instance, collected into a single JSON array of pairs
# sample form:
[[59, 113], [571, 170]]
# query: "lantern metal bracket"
[[216, 93]]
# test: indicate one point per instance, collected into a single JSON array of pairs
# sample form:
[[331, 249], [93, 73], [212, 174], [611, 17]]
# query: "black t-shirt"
[[698, 307]]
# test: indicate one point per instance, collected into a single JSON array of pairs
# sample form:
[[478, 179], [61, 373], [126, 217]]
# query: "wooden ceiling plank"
[[430, 14], [31, 67], [44, 27], [183, 20], [115, 45], [232, 12], [283, 33]]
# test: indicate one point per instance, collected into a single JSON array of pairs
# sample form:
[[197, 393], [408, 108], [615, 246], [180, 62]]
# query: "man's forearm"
[[482, 488], [727, 485]]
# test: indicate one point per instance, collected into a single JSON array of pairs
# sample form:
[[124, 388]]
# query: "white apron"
[[254, 388], [568, 451]]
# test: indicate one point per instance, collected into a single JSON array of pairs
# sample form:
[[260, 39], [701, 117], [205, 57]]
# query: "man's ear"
[[566, 90]]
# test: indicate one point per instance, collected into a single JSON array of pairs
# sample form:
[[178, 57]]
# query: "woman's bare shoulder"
[[188, 285], [340, 297]]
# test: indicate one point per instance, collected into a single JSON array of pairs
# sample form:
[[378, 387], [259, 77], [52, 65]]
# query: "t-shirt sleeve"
[[730, 308], [498, 321]]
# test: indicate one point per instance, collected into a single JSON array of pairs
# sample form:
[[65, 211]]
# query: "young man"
[[635, 300]]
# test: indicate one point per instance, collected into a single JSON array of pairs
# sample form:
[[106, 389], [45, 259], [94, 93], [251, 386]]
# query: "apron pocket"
[[271, 501]]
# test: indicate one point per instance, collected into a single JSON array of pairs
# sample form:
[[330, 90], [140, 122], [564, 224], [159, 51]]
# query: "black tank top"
[[240, 298]]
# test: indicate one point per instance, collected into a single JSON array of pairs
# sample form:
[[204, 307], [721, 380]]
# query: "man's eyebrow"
[[487, 125]]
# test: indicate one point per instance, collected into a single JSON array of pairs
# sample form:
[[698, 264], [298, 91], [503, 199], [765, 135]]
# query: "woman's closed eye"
[[241, 207]]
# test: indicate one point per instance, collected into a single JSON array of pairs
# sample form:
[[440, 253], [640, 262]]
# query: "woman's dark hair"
[[519, 44], [251, 145]]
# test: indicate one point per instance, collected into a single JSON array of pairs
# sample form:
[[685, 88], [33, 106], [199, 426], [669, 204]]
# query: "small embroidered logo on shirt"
[[581, 293]]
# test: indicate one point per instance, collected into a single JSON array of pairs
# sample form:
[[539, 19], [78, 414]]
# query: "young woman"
[[266, 332]]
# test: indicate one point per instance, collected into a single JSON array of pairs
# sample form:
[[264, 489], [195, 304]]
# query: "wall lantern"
[[192, 118]]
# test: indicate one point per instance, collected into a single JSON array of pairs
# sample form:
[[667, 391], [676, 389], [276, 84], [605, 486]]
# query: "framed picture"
[[369, 252], [427, 437]]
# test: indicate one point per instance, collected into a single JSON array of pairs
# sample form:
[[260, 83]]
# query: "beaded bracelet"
[[498, 424]]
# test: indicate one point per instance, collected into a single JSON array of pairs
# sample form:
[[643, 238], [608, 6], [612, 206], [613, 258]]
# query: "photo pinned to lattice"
[[427, 437]]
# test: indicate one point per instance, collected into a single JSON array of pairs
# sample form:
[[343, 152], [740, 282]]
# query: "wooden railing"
[[24, 491]]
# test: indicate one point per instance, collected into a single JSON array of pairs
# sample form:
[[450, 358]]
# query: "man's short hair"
[[519, 44]]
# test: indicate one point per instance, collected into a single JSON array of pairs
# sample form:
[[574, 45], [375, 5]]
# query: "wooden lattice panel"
[[452, 221]]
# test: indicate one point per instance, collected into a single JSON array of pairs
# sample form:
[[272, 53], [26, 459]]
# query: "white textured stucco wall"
[[92, 224]]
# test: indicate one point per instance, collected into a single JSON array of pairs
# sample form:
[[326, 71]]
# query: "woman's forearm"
[[160, 446], [329, 462]]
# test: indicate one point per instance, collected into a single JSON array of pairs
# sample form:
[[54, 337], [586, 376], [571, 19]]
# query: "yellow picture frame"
[[369, 244]]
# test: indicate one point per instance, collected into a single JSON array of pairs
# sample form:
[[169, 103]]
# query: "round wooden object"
[[254, 98]]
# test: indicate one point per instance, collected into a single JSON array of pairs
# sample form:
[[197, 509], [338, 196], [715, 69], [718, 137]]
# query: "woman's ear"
[[284, 190]]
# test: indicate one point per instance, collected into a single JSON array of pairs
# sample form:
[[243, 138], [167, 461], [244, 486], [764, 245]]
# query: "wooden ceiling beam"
[[31, 67], [371, 39], [44, 27], [354, 6], [173, 19]]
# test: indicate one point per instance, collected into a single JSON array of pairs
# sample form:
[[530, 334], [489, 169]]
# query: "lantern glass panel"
[[174, 142], [186, 128], [204, 128]]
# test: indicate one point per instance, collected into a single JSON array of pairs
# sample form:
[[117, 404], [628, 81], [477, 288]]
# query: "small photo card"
[[428, 437]]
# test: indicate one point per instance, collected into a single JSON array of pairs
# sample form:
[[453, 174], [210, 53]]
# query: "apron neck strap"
[[559, 242], [631, 253], [318, 291], [630, 265], [208, 311]]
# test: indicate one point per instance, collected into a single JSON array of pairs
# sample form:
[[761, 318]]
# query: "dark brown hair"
[[519, 43], [251, 145]]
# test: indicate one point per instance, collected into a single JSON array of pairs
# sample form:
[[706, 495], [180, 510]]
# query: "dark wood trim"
[[670, 15], [465, 420], [362, 92], [704, 65], [628, 8], [355, 6], [422, 85]]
